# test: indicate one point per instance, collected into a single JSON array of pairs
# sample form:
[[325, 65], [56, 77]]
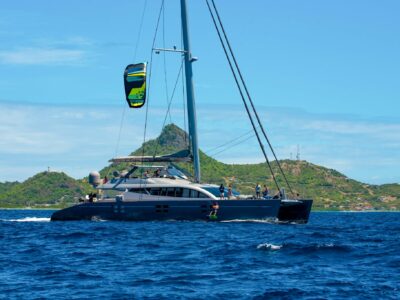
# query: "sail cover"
[[135, 84]]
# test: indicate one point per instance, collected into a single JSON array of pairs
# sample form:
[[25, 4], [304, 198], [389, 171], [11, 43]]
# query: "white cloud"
[[46, 51], [75, 139], [78, 139], [42, 56], [376, 129], [364, 149]]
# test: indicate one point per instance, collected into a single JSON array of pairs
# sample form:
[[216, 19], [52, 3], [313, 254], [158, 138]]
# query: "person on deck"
[[265, 191], [222, 191], [278, 195], [230, 192], [258, 191]]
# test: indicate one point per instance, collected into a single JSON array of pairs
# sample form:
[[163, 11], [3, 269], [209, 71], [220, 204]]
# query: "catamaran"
[[164, 191]]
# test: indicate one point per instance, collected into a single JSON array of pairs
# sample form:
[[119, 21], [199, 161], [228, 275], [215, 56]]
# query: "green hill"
[[330, 189], [6, 186], [44, 189]]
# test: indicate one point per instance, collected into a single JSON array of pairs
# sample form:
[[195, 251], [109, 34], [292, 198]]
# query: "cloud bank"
[[78, 139]]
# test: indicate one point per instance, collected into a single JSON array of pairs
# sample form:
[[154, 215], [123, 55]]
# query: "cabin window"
[[194, 194], [178, 192], [185, 193], [171, 192], [163, 192], [139, 191], [202, 195], [155, 191]]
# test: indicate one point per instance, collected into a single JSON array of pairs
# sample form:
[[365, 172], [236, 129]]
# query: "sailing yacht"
[[164, 192]]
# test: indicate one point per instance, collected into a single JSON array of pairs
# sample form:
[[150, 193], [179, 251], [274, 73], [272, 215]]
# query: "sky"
[[324, 76]]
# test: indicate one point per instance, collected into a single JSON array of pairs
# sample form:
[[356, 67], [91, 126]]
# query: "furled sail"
[[135, 84]]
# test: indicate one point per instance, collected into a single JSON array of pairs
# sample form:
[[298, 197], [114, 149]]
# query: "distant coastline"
[[319, 211], [330, 189]]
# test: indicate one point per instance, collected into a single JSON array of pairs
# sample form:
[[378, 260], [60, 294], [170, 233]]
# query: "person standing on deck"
[[258, 191], [265, 191], [230, 194], [222, 191]]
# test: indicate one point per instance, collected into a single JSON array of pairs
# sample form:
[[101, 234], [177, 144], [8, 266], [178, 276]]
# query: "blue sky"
[[324, 74]]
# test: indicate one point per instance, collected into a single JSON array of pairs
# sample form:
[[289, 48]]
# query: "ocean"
[[334, 256]]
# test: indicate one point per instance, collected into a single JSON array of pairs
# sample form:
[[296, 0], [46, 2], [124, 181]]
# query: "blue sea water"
[[334, 256]]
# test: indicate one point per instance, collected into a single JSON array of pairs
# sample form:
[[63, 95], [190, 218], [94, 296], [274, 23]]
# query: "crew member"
[[222, 191]]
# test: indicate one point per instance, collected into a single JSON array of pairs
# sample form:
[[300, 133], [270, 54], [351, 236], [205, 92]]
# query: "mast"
[[191, 108]]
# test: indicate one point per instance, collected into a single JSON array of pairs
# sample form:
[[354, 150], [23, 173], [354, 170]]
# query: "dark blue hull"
[[218, 210], [295, 210]]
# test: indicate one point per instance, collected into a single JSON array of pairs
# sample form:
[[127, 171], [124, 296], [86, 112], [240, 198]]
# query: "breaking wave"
[[269, 247], [306, 248], [28, 219], [268, 221]]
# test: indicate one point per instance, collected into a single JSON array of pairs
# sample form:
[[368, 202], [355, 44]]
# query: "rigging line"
[[230, 141], [148, 91], [231, 145], [249, 97], [150, 74], [120, 130], [243, 98], [238, 143], [134, 58], [140, 30], [170, 102], [226, 144], [165, 59]]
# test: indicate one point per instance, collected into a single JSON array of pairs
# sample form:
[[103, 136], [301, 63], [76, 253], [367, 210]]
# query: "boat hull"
[[295, 210], [218, 210]]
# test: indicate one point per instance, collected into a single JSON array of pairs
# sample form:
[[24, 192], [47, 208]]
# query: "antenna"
[[298, 152]]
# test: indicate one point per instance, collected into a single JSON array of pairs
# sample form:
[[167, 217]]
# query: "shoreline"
[[312, 211]]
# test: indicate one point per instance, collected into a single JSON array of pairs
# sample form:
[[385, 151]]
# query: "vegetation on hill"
[[6, 186], [44, 189], [330, 189]]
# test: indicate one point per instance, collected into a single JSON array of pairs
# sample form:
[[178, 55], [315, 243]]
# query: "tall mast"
[[191, 108]]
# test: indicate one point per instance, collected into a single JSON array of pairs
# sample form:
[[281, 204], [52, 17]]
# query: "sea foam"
[[29, 219], [267, 246]]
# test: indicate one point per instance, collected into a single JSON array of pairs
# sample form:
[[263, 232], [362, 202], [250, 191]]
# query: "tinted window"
[[185, 193], [202, 195], [155, 191], [194, 194], [171, 192], [138, 190], [178, 192]]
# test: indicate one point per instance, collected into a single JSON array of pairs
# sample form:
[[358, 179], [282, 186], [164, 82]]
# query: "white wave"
[[97, 219], [29, 219], [268, 221], [267, 246]]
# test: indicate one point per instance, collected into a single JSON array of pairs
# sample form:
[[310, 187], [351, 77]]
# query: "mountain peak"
[[173, 136], [171, 139]]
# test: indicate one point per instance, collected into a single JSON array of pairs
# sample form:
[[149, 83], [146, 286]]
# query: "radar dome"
[[94, 178]]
